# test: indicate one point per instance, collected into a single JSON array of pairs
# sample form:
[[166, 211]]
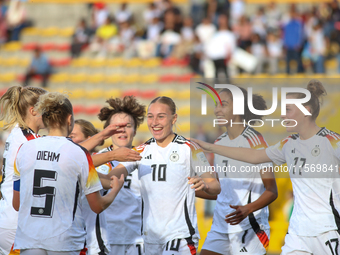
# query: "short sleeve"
[[89, 177], [16, 175], [276, 152], [198, 162], [130, 166]]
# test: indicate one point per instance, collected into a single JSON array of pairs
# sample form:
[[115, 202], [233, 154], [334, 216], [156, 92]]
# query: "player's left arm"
[[97, 139], [16, 185], [206, 184], [268, 196], [16, 200]]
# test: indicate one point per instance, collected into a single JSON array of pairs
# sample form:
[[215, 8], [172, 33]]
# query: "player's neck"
[[234, 131], [164, 142], [309, 131], [58, 132]]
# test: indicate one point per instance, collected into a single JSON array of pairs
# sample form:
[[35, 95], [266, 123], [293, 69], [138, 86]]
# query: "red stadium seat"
[[21, 77], [167, 78], [29, 46], [48, 46], [93, 109], [60, 62], [148, 94], [3, 91], [185, 78], [78, 109], [63, 47]]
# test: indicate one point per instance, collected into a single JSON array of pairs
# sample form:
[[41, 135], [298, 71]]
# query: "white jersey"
[[8, 216], [53, 173], [169, 202], [240, 185], [316, 200], [123, 216], [95, 225]]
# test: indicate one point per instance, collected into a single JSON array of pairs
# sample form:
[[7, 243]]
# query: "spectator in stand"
[[123, 14], [197, 11], [16, 19], [126, 37], [104, 34], [243, 32], [205, 30], [259, 23], [3, 26], [100, 14], [150, 13], [221, 46], [258, 49], [80, 38], [187, 39], [196, 56], [274, 52], [293, 41], [273, 17], [237, 9], [318, 48], [39, 66]]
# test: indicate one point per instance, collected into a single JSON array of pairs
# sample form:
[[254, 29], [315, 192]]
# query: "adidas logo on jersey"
[[148, 157], [243, 249]]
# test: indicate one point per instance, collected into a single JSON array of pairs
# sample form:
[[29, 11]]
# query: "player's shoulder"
[[221, 137], [331, 136], [76, 148], [140, 148], [181, 140], [254, 138]]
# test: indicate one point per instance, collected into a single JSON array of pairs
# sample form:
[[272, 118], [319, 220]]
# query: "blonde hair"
[[54, 108], [15, 102]]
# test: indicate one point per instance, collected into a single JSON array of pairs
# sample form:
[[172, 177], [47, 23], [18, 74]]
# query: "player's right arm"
[[242, 154], [16, 185], [119, 170], [99, 203], [122, 154]]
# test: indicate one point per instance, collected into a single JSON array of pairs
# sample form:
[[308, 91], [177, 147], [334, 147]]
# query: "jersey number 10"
[[159, 174]]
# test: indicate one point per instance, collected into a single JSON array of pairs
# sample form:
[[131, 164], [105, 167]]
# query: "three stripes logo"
[[148, 157], [204, 97], [243, 249]]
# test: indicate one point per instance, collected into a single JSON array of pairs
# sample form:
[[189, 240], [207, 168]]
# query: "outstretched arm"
[[122, 154], [242, 154], [118, 171], [206, 184], [97, 139]]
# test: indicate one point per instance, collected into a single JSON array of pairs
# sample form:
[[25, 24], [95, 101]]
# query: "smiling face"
[[225, 111], [77, 135], [160, 121], [126, 135]]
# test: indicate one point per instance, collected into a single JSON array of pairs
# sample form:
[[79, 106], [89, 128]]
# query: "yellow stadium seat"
[[60, 77], [77, 93], [78, 78], [97, 124], [96, 93], [49, 32], [115, 62], [10, 61], [66, 32], [12, 46], [149, 78], [134, 62], [169, 93], [95, 78], [31, 31], [184, 111], [112, 93], [133, 78], [80, 62], [151, 63], [183, 94], [184, 127], [24, 62], [116, 78], [97, 63], [143, 128], [7, 77]]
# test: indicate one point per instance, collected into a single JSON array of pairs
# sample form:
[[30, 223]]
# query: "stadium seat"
[[113, 78], [133, 78], [131, 92], [77, 109], [3, 91], [48, 46], [148, 94], [112, 93], [77, 94], [78, 78], [11, 46], [149, 78], [59, 78], [49, 32], [29, 46], [184, 111], [96, 93], [95, 78], [80, 62], [66, 32], [97, 63], [63, 47], [152, 63], [115, 62], [93, 109], [169, 93], [60, 62], [185, 78], [167, 78]]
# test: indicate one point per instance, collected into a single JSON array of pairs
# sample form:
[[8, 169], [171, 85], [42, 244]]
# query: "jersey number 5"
[[47, 191]]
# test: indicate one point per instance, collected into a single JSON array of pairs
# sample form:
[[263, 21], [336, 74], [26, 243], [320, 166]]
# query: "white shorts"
[[324, 244], [185, 246], [246, 242], [6, 240], [45, 252], [127, 249]]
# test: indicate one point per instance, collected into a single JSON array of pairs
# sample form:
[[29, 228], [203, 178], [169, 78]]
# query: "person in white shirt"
[[312, 155], [205, 30], [168, 162], [18, 113], [50, 175], [240, 221], [123, 216]]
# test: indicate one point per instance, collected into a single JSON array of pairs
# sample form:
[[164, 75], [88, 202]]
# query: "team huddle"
[[59, 196]]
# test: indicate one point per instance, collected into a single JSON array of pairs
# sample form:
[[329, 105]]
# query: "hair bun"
[[316, 88]]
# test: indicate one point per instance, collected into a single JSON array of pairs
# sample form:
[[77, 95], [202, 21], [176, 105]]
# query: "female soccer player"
[[124, 220], [17, 106], [312, 152], [96, 227], [240, 222], [50, 175], [168, 162]]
